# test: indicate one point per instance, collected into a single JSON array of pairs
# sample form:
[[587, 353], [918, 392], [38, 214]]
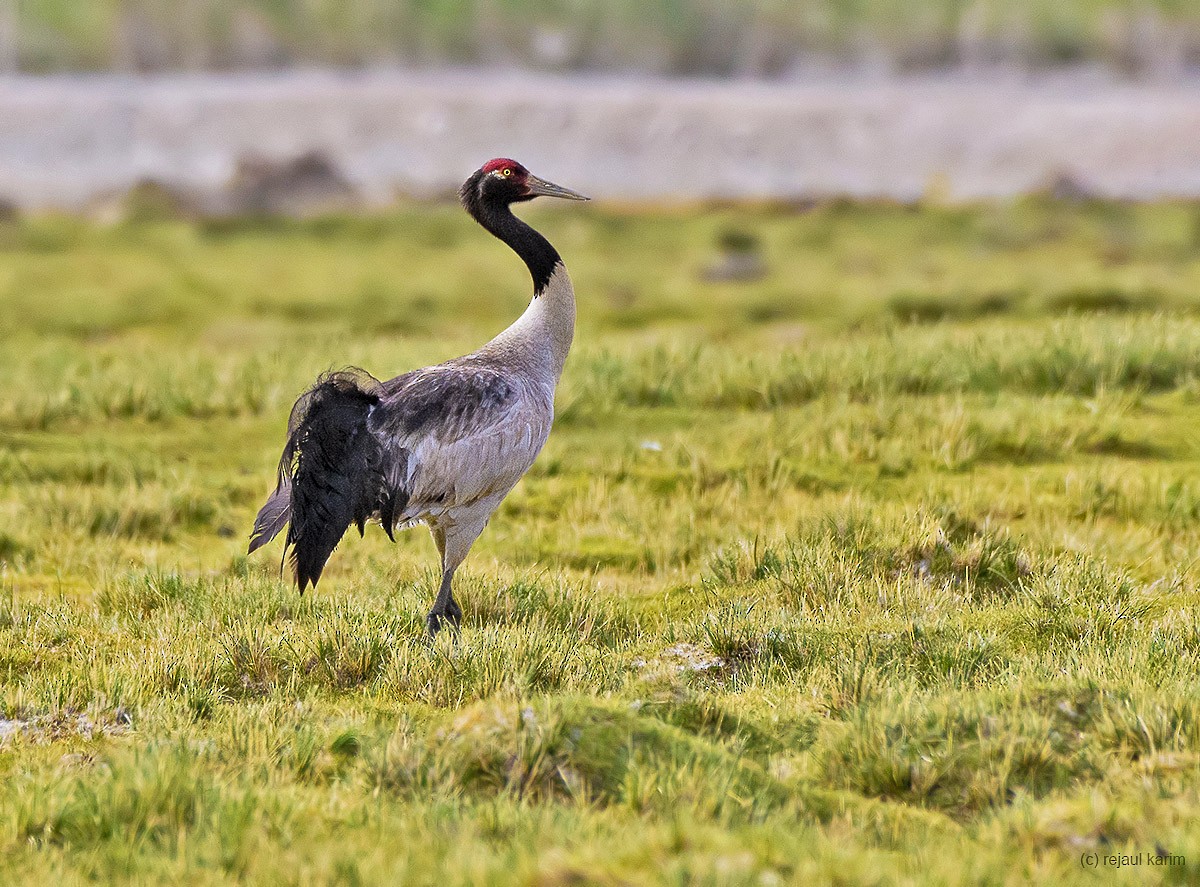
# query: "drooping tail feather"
[[330, 475], [273, 516]]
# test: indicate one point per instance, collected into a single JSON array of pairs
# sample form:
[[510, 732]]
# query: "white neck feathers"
[[541, 337]]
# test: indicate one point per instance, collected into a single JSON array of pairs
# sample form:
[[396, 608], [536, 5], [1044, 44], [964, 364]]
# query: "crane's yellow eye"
[[506, 171]]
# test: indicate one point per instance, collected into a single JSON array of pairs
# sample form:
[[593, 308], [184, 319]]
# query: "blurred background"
[[690, 38], [297, 106]]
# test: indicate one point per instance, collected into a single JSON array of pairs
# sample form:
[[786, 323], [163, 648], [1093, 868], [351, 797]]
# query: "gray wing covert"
[[466, 430], [448, 402]]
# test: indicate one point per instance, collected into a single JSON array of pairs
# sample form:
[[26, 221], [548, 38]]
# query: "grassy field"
[[879, 569]]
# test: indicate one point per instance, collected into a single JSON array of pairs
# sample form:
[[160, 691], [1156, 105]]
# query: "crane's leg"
[[445, 608], [445, 600], [454, 538]]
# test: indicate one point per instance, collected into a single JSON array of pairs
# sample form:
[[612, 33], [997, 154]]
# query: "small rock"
[[739, 260], [1068, 188], [303, 186], [11, 728], [693, 658]]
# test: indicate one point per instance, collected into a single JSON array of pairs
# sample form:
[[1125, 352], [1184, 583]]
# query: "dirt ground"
[[68, 142]]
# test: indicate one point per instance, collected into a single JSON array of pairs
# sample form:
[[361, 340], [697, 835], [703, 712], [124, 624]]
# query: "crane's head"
[[503, 181]]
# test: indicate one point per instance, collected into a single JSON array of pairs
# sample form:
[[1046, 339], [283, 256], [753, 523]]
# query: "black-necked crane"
[[441, 445]]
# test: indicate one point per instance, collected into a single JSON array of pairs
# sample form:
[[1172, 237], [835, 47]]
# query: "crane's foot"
[[450, 615]]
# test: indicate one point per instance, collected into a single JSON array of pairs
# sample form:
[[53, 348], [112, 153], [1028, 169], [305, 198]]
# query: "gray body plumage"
[[462, 433], [441, 445]]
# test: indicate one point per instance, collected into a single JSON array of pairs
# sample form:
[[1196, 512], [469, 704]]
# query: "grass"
[[679, 37], [881, 568]]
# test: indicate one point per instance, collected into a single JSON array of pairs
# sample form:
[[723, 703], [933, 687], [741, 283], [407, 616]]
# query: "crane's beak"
[[541, 188]]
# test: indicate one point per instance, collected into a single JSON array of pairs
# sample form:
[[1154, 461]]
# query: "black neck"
[[497, 217]]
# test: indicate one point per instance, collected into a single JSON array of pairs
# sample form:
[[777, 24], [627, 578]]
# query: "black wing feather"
[[331, 473], [335, 478]]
